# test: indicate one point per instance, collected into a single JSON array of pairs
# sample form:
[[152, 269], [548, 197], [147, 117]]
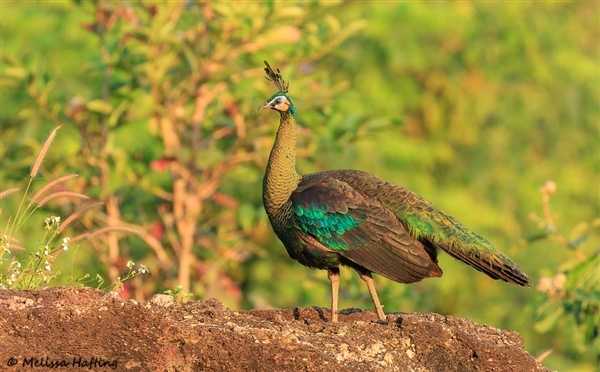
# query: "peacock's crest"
[[274, 76]]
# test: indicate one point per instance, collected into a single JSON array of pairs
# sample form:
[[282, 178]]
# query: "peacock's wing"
[[360, 229], [433, 227]]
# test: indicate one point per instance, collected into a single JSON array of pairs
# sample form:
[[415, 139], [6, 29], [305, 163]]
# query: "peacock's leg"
[[368, 279], [334, 278]]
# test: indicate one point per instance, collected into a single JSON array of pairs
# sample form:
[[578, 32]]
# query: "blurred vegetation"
[[474, 105]]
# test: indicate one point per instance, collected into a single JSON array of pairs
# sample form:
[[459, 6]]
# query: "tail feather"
[[495, 265]]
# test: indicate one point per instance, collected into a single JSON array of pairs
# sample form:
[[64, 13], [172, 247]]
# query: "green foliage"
[[33, 268], [571, 296], [471, 104]]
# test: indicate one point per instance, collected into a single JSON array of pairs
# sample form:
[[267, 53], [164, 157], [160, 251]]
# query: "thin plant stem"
[[17, 220], [35, 266], [45, 243]]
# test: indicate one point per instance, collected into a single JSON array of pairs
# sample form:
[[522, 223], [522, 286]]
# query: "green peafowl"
[[351, 218]]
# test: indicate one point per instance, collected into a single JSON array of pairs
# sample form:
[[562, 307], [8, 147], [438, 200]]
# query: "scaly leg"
[[368, 279], [334, 278]]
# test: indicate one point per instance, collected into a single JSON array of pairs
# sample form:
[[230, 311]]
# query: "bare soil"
[[75, 328]]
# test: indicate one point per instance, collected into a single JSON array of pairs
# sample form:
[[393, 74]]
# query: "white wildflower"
[[14, 271], [65, 243], [4, 244], [52, 223], [143, 270], [48, 223]]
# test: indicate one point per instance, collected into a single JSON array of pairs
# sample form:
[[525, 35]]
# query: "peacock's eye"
[[277, 101]]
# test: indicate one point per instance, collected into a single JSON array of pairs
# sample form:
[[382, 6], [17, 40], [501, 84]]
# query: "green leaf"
[[98, 105], [549, 320], [15, 72]]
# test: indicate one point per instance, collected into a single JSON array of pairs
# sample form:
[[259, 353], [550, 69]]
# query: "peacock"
[[351, 218]]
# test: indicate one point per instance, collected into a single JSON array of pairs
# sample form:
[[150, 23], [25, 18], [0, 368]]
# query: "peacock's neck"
[[281, 178]]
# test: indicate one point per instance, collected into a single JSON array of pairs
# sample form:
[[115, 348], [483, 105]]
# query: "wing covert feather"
[[361, 230]]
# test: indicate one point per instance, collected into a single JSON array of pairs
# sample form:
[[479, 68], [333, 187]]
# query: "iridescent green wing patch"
[[328, 227]]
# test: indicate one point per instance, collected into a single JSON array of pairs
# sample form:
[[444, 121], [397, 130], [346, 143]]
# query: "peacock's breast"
[[297, 244]]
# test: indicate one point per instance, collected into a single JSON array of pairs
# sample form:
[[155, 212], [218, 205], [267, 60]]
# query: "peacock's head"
[[281, 102]]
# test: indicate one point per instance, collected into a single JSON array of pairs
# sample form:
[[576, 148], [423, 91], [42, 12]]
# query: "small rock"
[[132, 364], [18, 303], [212, 304], [114, 295], [163, 300]]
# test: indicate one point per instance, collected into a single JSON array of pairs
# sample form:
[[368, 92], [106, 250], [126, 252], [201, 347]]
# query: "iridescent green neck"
[[281, 178]]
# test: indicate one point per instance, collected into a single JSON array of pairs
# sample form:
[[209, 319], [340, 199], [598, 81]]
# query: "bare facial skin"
[[279, 103]]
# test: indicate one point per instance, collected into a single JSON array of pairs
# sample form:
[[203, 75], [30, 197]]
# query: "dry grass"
[[8, 192], [38, 195], [77, 214], [154, 243], [61, 194], [42, 154]]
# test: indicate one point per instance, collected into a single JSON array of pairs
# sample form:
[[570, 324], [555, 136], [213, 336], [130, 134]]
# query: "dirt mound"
[[72, 328]]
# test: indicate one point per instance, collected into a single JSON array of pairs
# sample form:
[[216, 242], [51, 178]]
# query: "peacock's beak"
[[270, 104], [261, 108]]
